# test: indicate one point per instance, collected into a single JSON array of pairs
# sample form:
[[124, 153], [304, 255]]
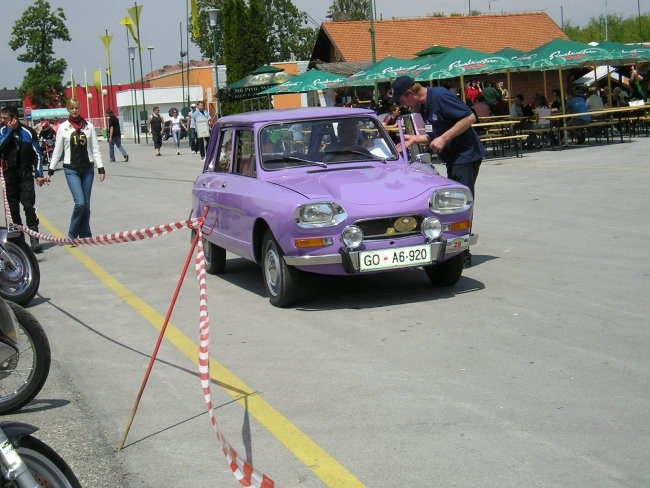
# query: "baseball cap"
[[400, 85], [193, 105]]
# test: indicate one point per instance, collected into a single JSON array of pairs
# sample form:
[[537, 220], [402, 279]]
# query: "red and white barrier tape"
[[245, 473], [119, 237]]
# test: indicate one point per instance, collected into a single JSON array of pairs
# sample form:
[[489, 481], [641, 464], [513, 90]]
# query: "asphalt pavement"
[[532, 371]]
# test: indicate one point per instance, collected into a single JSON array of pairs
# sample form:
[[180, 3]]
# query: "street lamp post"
[[213, 13], [136, 117], [150, 48]]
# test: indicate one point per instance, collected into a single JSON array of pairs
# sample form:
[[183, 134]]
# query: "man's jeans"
[[117, 141], [80, 183]]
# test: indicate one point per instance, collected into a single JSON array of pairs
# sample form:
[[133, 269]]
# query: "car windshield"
[[323, 141]]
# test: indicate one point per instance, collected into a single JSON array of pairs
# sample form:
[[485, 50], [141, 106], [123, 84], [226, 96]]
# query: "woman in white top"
[[76, 144], [176, 124], [542, 110]]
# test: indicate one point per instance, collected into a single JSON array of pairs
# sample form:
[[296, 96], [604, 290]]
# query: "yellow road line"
[[328, 469]]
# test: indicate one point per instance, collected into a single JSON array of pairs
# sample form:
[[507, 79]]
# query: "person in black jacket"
[[21, 164]]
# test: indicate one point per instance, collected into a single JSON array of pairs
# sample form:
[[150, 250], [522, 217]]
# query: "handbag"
[[202, 127]]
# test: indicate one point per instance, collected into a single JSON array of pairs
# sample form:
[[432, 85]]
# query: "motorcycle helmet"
[[45, 124]]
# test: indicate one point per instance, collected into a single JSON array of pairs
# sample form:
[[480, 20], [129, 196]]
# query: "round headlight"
[[431, 228], [352, 236]]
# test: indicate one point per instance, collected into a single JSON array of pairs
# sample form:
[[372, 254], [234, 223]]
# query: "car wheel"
[[446, 273], [280, 280], [215, 256]]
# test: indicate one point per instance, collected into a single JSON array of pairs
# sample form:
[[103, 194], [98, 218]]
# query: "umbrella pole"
[[462, 88], [509, 90], [609, 88], [565, 133], [545, 87]]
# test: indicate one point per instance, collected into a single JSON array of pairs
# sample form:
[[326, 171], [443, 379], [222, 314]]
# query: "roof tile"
[[405, 37]]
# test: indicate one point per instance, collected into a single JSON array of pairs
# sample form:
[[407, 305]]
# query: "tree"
[[631, 29], [288, 35], [349, 10], [284, 24], [35, 31]]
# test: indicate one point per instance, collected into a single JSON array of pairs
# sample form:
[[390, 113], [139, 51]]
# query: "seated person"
[[481, 109], [576, 104], [347, 146], [391, 118], [517, 109], [594, 101], [543, 110]]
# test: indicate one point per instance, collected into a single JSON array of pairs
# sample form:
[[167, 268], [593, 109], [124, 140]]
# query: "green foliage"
[[35, 31], [284, 25], [618, 29], [288, 35], [258, 51], [342, 10]]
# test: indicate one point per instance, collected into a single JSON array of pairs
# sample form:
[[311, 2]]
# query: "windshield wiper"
[[294, 159]]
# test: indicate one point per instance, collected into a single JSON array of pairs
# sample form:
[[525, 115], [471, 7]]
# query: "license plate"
[[395, 258]]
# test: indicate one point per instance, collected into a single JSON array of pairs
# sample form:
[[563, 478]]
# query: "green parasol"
[[385, 70], [311, 80], [460, 61], [560, 53], [250, 86]]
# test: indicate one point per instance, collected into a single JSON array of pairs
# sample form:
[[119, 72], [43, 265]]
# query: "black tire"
[[23, 375], [215, 256], [19, 284], [280, 279], [46, 466], [446, 273]]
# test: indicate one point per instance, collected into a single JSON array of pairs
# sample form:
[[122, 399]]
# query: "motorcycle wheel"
[[21, 283], [45, 465], [23, 375]]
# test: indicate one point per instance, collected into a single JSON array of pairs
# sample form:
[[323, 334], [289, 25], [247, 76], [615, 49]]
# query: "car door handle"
[[224, 184]]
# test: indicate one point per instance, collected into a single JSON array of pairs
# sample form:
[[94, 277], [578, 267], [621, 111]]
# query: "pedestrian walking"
[[201, 119], [76, 143], [114, 137], [156, 127]]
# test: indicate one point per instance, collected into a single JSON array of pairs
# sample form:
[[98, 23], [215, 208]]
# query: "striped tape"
[[245, 473]]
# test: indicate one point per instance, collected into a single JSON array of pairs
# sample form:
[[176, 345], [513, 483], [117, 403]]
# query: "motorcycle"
[[24, 356], [27, 462], [20, 274]]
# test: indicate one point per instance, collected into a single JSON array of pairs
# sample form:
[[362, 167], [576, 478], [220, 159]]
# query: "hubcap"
[[272, 270]]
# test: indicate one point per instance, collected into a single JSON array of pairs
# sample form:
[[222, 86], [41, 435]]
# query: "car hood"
[[364, 184]]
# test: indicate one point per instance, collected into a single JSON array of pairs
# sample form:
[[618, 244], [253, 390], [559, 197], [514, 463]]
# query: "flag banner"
[[196, 28], [98, 80], [129, 25]]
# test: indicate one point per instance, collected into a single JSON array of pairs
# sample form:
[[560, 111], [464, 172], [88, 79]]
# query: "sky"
[[160, 27]]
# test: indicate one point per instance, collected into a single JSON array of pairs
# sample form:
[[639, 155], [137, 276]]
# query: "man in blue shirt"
[[449, 131], [449, 128], [576, 104]]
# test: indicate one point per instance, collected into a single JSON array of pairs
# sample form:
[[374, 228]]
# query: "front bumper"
[[350, 259]]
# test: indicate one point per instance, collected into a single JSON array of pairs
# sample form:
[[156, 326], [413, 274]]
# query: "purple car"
[[325, 190]]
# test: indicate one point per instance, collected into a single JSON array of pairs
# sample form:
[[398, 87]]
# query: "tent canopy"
[[311, 80], [49, 113]]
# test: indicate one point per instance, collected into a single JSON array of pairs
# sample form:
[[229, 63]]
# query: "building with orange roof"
[[350, 41]]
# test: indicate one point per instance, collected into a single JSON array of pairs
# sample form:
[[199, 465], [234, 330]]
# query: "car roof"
[[281, 115]]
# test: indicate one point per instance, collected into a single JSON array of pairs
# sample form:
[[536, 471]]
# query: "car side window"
[[225, 152], [245, 154]]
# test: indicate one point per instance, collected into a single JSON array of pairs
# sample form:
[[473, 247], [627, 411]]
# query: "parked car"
[[325, 190], [167, 133]]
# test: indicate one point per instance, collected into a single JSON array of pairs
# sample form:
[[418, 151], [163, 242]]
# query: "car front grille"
[[390, 227]]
